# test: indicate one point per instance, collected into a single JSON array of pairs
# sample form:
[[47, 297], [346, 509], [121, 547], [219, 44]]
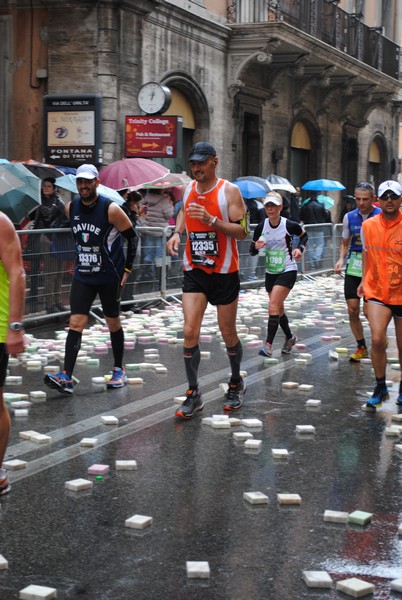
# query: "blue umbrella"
[[323, 185], [250, 189], [67, 182], [19, 191]]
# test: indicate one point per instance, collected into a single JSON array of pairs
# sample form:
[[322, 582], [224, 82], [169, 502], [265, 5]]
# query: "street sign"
[[73, 129], [153, 136]]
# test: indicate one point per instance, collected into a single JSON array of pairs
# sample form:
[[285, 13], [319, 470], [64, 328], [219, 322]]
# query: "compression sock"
[[284, 324], [381, 382], [117, 339], [235, 354], [273, 324], [73, 345], [192, 358]]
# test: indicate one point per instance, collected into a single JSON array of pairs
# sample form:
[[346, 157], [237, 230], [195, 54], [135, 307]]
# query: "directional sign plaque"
[[73, 129]]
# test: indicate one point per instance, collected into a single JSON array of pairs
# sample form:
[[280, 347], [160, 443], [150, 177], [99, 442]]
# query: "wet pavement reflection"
[[190, 477]]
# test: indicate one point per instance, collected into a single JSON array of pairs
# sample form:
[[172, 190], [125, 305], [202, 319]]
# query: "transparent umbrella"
[[280, 183], [174, 182]]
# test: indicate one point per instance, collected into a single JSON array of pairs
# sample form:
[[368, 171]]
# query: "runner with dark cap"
[[213, 214]]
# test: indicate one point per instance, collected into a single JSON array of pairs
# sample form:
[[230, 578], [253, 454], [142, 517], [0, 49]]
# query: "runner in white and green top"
[[275, 236]]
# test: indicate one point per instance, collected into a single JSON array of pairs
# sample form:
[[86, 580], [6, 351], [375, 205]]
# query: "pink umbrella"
[[131, 173]]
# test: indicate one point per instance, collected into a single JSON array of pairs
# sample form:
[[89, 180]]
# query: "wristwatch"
[[17, 326], [213, 221]]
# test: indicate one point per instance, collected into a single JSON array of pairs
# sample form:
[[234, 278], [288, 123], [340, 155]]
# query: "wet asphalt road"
[[191, 478]]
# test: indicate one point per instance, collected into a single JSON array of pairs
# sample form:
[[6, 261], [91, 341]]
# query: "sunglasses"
[[390, 195]]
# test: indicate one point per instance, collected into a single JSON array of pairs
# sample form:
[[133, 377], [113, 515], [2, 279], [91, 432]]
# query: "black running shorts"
[[219, 288], [82, 297], [286, 279], [350, 287], [3, 364], [396, 309]]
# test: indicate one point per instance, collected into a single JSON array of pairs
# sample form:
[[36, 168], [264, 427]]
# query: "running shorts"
[[219, 288], [286, 279], [82, 297], [350, 287], [396, 309], [3, 364]]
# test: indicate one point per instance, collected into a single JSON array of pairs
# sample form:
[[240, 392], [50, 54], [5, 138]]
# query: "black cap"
[[200, 151]]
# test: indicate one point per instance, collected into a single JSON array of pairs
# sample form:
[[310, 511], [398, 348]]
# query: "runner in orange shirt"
[[213, 214], [382, 282]]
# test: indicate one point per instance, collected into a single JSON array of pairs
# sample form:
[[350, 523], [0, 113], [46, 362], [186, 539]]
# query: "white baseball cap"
[[391, 185], [273, 197], [87, 172]]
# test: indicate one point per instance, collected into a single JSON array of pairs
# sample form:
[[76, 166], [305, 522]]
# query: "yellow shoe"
[[360, 353]]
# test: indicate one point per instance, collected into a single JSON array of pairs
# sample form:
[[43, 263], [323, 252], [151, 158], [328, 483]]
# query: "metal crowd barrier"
[[49, 256]]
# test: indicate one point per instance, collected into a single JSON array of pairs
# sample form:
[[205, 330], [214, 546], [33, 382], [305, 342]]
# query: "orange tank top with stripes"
[[206, 248]]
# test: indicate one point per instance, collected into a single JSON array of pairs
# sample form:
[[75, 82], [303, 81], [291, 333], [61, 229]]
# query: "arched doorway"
[[300, 154], [181, 106]]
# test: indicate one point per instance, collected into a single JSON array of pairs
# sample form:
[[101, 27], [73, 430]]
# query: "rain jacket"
[[382, 240]]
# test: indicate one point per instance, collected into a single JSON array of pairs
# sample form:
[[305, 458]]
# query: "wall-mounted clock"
[[154, 98]]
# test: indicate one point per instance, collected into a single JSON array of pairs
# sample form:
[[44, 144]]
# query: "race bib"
[[88, 260], [203, 245], [275, 261], [355, 266]]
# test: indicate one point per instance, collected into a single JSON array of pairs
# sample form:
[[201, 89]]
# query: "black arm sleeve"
[[132, 243], [257, 234]]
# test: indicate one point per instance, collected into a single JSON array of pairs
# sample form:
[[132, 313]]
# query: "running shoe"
[[118, 378], [288, 345], [234, 395], [360, 353], [191, 404], [399, 400], [61, 382], [266, 350], [380, 394], [5, 486]]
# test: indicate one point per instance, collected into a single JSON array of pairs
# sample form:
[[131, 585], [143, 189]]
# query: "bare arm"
[[343, 251], [236, 211], [10, 255], [173, 242], [360, 289]]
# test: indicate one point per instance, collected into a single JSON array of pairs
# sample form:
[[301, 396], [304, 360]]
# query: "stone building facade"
[[303, 89]]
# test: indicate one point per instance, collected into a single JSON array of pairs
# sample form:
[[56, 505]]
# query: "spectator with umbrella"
[[50, 214], [312, 212]]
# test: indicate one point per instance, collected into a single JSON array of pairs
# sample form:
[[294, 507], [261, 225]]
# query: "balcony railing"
[[324, 20]]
